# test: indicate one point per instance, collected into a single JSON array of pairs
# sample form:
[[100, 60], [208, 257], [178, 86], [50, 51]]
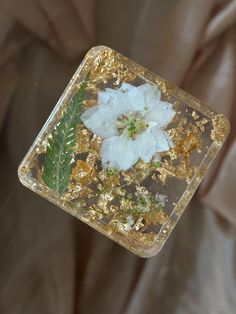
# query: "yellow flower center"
[[131, 124]]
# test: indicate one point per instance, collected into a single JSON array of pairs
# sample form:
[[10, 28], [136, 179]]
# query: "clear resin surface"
[[124, 151]]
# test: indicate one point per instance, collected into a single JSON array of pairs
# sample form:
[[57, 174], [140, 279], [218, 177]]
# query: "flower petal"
[[106, 96], [117, 152], [135, 99], [163, 140], [145, 146], [125, 87], [162, 114], [101, 121], [122, 103], [151, 94], [118, 100]]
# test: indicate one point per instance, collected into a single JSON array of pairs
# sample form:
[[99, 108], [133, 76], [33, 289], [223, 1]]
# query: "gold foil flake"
[[163, 175], [119, 191], [164, 86], [195, 116], [126, 205], [127, 178], [82, 172], [186, 139], [92, 214], [201, 124], [100, 187], [142, 190], [25, 169], [120, 226], [95, 143], [138, 173], [182, 121], [103, 201], [90, 102], [109, 182], [76, 190], [183, 171], [189, 143], [73, 191], [138, 224], [79, 204], [102, 175], [105, 66], [107, 196], [92, 158], [154, 218], [220, 128], [123, 75], [83, 140], [41, 148], [142, 238], [114, 208], [154, 177]]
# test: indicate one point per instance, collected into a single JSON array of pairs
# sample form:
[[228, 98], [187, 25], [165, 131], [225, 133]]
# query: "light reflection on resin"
[[124, 151]]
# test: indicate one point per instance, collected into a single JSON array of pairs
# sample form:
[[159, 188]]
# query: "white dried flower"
[[130, 120]]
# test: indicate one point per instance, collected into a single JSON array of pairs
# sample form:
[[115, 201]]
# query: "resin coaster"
[[124, 151]]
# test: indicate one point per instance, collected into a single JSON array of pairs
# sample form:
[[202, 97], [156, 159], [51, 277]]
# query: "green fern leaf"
[[60, 149]]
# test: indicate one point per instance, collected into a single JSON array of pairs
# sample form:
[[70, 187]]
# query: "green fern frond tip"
[[59, 154]]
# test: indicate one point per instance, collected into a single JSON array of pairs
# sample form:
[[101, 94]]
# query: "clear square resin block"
[[124, 151]]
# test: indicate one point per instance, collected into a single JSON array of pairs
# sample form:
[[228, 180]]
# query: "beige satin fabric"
[[49, 261]]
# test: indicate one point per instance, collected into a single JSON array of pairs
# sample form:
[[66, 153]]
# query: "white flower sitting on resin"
[[131, 121]]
